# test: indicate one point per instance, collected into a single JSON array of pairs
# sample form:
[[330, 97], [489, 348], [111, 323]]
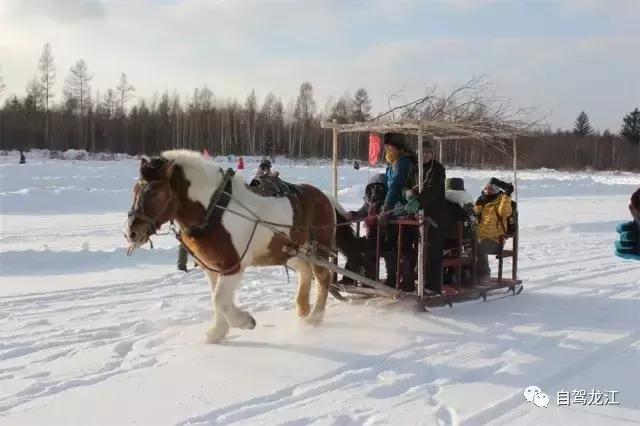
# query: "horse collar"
[[217, 205]]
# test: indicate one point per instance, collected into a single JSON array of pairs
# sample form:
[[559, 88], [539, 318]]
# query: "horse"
[[227, 227]]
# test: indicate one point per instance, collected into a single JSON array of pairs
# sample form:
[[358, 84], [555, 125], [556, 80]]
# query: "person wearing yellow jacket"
[[493, 209]]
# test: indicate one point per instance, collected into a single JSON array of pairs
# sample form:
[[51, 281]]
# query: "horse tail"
[[347, 242]]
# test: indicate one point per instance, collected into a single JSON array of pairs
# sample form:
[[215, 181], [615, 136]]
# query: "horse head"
[[154, 201]]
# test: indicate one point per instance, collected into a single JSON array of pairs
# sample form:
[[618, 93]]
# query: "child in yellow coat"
[[493, 209]]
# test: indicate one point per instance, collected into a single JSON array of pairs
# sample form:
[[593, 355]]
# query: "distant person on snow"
[[356, 165], [22, 159], [628, 243], [240, 163], [493, 209]]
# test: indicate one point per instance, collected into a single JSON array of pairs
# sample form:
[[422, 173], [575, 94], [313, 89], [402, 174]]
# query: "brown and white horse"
[[178, 186]]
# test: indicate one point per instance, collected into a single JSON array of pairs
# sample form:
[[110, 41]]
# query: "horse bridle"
[[137, 209]]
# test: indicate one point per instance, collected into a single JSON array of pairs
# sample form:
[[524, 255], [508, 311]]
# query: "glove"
[[413, 206], [506, 187]]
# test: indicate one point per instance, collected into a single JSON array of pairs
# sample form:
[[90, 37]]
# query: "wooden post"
[[335, 161], [335, 184], [421, 226], [515, 168]]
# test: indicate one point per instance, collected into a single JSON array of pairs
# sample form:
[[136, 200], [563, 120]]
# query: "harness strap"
[[220, 198], [231, 270]]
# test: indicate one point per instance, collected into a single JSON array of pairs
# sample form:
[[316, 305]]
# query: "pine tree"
[[581, 126], [631, 126], [340, 111], [361, 106]]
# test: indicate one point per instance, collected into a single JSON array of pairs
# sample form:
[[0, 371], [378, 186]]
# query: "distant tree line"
[[112, 122]]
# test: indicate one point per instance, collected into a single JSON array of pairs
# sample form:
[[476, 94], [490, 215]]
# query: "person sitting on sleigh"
[[375, 194], [493, 209]]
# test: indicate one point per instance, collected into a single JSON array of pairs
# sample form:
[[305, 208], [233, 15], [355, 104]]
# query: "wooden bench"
[[505, 254]]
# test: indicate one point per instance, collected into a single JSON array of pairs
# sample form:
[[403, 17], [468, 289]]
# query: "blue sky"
[[560, 56]]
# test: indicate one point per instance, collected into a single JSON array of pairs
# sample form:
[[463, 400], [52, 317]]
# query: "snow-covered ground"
[[90, 336]]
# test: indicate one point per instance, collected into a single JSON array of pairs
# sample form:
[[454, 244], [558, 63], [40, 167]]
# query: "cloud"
[[61, 11], [234, 46]]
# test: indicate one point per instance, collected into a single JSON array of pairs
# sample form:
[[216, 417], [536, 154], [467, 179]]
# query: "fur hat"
[[492, 186], [427, 145], [454, 184]]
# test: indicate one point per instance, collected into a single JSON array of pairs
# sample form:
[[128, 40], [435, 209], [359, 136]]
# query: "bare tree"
[[110, 103], [76, 87], [125, 92], [251, 107], [304, 110], [472, 110], [47, 74], [2, 86], [33, 100]]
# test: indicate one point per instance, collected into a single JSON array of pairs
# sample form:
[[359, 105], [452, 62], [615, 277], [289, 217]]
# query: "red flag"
[[205, 153], [375, 145]]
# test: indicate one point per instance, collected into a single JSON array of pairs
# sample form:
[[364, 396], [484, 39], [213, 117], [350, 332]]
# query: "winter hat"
[[635, 199], [454, 184], [265, 165], [492, 185], [427, 145], [395, 139]]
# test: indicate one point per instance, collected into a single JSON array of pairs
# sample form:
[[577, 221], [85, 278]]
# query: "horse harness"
[[218, 204]]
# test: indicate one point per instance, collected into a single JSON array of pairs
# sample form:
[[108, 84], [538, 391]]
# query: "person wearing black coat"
[[432, 202]]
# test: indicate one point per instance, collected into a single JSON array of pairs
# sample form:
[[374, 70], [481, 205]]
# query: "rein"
[[137, 210]]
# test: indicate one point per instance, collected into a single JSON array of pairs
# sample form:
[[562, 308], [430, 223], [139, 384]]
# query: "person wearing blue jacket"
[[398, 171], [399, 160], [628, 244]]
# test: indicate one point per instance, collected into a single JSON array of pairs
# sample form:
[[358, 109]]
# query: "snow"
[[89, 335]]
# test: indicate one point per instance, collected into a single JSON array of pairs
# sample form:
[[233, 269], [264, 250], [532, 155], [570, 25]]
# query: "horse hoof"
[[215, 334], [303, 311], [313, 321], [247, 322], [252, 323]]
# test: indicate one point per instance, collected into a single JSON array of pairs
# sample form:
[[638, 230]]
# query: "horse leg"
[[223, 301], [323, 279], [304, 288], [220, 327]]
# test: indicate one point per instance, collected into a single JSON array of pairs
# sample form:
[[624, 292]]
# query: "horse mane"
[[153, 168], [196, 168]]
